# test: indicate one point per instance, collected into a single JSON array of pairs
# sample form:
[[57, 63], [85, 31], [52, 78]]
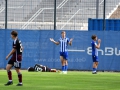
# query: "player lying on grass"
[[95, 48], [41, 68], [63, 41], [15, 60]]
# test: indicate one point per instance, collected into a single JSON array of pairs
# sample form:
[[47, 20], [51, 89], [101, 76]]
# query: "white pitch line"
[[76, 50]]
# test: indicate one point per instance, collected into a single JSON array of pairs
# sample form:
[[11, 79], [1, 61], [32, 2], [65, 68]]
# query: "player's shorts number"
[[16, 64]]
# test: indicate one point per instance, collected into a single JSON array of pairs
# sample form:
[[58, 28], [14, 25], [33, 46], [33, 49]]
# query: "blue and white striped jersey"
[[63, 44]]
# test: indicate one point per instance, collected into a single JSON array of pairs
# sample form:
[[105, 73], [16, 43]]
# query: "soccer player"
[[41, 68], [15, 60], [63, 41], [95, 48]]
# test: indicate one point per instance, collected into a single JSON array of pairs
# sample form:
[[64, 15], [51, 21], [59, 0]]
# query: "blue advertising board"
[[39, 49]]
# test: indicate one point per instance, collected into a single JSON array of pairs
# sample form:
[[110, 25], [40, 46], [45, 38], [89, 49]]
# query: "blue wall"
[[38, 49], [97, 24]]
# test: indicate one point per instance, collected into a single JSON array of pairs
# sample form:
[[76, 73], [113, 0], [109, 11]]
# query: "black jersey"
[[17, 56], [41, 68]]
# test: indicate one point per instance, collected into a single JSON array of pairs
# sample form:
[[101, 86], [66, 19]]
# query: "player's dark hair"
[[30, 69], [62, 32], [14, 33], [93, 37]]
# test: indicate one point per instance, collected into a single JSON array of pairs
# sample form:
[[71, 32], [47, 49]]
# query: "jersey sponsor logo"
[[37, 68]]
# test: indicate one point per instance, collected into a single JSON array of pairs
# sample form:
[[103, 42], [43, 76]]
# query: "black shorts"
[[15, 64]]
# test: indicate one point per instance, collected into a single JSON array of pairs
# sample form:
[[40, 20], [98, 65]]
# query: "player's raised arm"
[[12, 51], [52, 40], [98, 46], [70, 42]]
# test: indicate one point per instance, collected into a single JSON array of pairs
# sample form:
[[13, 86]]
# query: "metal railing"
[[70, 14]]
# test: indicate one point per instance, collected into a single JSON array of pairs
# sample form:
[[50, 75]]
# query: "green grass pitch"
[[55, 81]]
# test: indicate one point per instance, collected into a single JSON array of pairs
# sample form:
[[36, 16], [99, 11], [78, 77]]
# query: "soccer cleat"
[[65, 72], [19, 84], [94, 72], [9, 83]]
